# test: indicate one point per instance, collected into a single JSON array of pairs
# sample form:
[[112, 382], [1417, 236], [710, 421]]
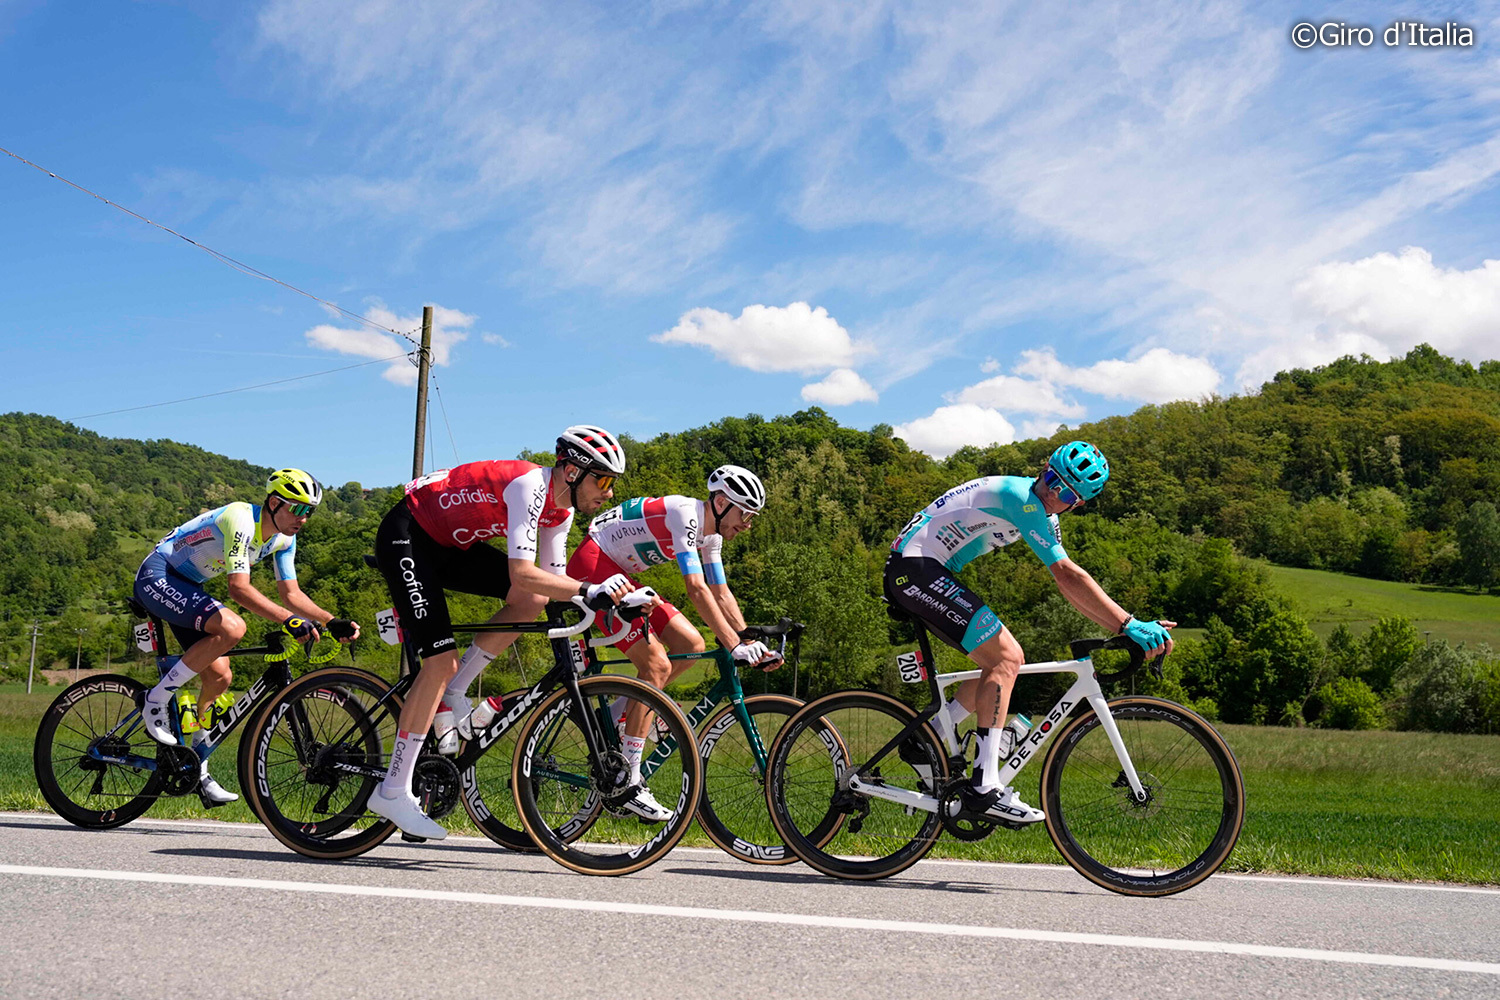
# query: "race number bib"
[[913, 671], [385, 622], [143, 637]]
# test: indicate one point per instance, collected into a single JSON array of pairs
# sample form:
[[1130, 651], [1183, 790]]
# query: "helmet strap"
[[714, 508], [573, 481]]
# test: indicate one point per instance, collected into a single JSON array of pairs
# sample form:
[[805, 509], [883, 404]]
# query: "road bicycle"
[[1142, 795], [568, 775], [96, 766]]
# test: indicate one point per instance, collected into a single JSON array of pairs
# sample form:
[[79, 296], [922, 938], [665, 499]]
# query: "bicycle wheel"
[[491, 802], [808, 779], [555, 778], [733, 810], [320, 751], [94, 719], [1183, 830]]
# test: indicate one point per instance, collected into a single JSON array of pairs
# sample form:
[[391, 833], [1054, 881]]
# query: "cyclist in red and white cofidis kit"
[[427, 542], [651, 531]]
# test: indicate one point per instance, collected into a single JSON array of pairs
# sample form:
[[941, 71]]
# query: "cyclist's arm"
[[293, 597], [253, 601], [728, 604], [1085, 594], [706, 601]]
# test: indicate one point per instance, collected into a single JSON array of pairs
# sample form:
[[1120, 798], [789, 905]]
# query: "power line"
[[243, 388], [222, 258], [443, 407]]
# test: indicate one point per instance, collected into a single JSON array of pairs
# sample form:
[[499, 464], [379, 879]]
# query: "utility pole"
[[78, 657], [424, 361], [36, 630]]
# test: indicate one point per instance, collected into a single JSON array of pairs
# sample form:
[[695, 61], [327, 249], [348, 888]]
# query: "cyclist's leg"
[[679, 636], [204, 627]]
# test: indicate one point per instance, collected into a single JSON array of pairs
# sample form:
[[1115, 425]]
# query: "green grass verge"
[[1410, 806], [1328, 599]]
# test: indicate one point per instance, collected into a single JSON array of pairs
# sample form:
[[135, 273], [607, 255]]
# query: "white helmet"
[[592, 449], [740, 485]]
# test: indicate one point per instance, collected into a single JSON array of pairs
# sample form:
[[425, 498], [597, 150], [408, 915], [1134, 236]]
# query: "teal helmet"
[[1081, 467]]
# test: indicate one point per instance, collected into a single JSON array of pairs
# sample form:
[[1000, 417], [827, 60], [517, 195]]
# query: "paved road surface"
[[162, 909]]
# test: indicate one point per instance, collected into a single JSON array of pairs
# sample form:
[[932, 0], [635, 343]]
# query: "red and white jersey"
[[479, 500], [650, 531]]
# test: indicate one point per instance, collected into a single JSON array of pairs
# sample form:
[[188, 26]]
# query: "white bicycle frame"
[[1085, 687]]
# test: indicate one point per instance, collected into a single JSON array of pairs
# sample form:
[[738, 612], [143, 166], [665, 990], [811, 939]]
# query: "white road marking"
[[766, 917], [241, 829]]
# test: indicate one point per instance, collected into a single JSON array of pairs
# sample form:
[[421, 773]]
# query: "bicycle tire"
[[733, 811], [92, 794], [324, 719], [806, 781], [1174, 840], [490, 801], [553, 778]]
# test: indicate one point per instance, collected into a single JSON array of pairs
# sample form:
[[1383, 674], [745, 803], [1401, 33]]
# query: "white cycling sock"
[[403, 759], [470, 666], [175, 678], [987, 760], [634, 746]]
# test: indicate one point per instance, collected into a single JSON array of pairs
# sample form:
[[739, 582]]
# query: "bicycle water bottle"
[[216, 711], [484, 713], [187, 713], [1015, 731]]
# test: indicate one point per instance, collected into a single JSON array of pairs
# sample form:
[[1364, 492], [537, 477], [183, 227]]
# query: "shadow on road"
[[808, 878], [387, 864]]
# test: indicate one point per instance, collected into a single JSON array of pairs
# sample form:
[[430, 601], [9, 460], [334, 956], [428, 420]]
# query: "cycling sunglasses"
[[606, 483], [301, 509], [1062, 490]]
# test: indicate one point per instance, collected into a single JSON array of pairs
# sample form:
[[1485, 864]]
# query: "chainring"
[[959, 822], [437, 785], [178, 767]]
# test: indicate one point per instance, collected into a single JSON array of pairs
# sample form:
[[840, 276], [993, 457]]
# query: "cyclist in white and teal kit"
[[959, 527], [228, 540]]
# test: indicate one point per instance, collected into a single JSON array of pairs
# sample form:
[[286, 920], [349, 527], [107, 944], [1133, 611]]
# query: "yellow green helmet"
[[295, 486]]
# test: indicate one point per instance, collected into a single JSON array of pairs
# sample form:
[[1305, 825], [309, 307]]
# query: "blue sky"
[[971, 221]]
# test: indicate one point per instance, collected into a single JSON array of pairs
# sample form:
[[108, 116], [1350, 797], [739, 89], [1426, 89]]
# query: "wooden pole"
[[424, 359]]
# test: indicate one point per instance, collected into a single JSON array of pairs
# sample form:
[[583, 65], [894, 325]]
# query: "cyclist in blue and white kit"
[[228, 539], [962, 525]]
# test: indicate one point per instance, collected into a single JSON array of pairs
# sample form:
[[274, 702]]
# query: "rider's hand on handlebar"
[[302, 630], [757, 653], [600, 596], [345, 630], [1153, 637]]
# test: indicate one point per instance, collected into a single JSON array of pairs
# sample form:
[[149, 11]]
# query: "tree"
[[1479, 544]]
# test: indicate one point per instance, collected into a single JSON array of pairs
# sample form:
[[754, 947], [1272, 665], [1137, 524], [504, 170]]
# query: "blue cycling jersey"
[[226, 540], [982, 514]]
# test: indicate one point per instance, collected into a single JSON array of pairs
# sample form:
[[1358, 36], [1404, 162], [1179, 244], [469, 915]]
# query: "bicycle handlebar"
[[1085, 648]]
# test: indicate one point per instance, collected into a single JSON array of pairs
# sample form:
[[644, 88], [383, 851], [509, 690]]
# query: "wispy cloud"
[[449, 327]]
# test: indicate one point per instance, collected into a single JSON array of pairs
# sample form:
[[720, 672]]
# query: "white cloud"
[[1158, 376], [1018, 395], [949, 428], [842, 387], [448, 328], [989, 365], [494, 339], [794, 338]]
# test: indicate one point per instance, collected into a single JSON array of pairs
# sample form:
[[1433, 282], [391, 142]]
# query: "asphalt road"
[[160, 909]]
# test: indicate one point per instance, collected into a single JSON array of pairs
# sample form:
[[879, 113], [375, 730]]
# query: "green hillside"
[[1329, 599]]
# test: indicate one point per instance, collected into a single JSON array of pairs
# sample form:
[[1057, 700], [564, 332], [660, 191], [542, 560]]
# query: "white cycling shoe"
[[156, 719], [451, 724], [1001, 805], [647, 808], [211, 792], [407, 814]]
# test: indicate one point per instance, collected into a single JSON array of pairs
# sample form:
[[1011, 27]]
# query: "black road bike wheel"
[[1188, 821], [733, 810], [809, 778], [319, 752], [94, 714], [491, 802], [557, 780]]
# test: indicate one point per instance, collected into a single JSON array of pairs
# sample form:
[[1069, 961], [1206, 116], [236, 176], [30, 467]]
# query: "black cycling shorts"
[[926, 590], [417, 570]]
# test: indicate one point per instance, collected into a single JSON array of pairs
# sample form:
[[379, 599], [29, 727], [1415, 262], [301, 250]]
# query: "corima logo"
[[458, 498]]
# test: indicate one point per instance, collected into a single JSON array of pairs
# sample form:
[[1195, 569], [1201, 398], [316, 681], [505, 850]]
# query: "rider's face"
[[734, 521], [284, 520], [593, 491]]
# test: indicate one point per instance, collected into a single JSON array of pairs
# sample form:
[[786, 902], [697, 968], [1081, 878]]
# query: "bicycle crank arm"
[[900, 796]]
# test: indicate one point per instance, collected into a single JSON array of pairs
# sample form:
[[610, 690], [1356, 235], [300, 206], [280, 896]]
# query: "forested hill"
[[1387, 469]]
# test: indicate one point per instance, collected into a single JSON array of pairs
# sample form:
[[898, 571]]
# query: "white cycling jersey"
[[650, 531], [977, 517]]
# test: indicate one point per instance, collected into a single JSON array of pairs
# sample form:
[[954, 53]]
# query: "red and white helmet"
[[592, 449]]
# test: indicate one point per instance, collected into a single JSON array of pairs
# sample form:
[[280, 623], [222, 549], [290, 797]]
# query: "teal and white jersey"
[[226, 540], [982, 514]]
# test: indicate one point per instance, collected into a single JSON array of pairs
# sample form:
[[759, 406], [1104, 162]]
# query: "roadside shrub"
[[1347, 703], [1448, 689]]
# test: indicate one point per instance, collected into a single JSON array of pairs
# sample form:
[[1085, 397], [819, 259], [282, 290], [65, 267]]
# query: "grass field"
[[1358, 804], [1327, 599]]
